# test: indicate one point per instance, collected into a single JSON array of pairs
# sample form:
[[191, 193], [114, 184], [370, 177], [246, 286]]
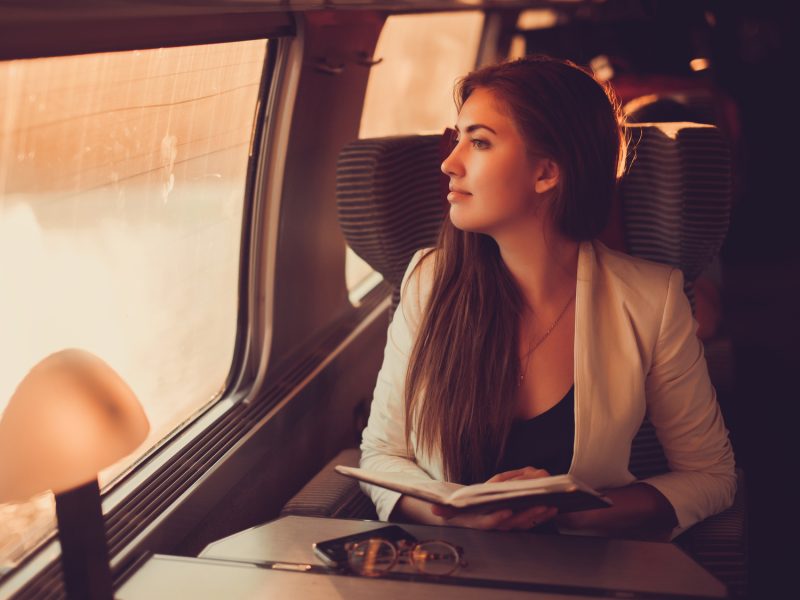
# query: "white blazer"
[[636, 351]]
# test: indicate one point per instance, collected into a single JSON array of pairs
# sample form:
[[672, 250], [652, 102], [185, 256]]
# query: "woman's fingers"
[[475, 520], [501, 476], [443, 511], [524, 519], [528, 518], [503, 520], [523, 473], [481, 521]]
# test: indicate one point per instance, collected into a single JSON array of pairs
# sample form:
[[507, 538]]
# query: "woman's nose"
[[451, 166]]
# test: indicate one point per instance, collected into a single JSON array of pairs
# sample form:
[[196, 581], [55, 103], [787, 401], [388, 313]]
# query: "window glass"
[[411, 90], [359, 276], [122, 179]]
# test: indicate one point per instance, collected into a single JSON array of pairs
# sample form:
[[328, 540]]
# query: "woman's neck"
[[543, 262]]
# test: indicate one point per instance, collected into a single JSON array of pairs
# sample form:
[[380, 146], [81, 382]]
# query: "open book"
[[564, 491]]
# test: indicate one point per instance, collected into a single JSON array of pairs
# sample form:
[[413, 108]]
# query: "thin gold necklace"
[[532, 347]]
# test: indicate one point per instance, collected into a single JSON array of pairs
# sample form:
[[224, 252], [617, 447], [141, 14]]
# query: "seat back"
[[676, 195], [389, 194], [674, 201]]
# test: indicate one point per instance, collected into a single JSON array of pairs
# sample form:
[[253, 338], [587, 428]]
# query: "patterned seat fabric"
[[329, 494], [390, 201], [675, 198], [676, 195]]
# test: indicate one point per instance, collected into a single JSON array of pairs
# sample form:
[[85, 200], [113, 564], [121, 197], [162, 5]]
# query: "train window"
[[408, 93], [529, 20], [359, 276], [122, 190]]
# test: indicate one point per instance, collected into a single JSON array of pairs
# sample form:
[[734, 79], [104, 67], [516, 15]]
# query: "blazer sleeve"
[[682, 405], [383, 443]]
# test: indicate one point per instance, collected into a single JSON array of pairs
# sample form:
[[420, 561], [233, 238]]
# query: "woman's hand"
[[503, 520], [523, 473]]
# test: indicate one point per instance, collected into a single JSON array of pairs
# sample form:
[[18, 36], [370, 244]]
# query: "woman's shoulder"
[[632, 269], [417, 283], [419, 271], [640, 286]]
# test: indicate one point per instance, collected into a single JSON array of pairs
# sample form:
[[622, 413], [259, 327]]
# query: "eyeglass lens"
[[374, 557], [434, 558]]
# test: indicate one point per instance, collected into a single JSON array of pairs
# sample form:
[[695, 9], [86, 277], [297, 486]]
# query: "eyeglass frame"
[[405, 548]]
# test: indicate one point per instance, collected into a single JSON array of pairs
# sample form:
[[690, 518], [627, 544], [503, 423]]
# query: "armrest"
[[329, 494]]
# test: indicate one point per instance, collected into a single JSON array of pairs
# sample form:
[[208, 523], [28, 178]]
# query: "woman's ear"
[[546, 176]]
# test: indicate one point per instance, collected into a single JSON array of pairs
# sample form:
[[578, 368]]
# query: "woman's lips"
[[456, 194]]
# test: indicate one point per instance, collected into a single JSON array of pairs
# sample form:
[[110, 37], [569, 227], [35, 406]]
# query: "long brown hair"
[[462, 377]]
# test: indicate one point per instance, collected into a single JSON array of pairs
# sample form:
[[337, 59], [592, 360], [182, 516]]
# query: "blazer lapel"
[[609, 392]]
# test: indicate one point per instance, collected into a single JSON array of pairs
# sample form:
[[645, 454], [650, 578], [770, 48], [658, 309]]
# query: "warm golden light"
[[601, 67], [69, 418], [638, 103], [408, 93], [517, 48], [537, 18], [699, 64]]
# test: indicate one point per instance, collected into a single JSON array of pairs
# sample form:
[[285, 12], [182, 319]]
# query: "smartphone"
[[333, 552]]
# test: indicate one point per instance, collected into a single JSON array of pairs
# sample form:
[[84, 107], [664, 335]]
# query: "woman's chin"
[[462, 221]]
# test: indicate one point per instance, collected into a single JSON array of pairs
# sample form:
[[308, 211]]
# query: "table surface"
[[177, 577], [512, 564]]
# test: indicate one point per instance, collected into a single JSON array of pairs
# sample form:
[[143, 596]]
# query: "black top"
[[545, 441]]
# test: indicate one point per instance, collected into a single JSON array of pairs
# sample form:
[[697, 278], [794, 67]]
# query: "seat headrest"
[[675, 196], [390, 199]]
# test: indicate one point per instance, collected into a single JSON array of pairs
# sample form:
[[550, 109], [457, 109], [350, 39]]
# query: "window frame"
[[75, 29]]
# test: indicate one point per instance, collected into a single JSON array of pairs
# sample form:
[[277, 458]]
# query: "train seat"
[[675, 201]]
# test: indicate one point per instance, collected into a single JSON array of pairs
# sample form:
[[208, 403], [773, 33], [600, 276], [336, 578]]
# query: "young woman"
[[523, 347]]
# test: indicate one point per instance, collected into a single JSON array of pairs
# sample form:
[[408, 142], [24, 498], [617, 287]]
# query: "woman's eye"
[[479, 144]]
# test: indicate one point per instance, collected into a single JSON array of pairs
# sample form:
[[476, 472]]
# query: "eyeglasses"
[[376, 556]]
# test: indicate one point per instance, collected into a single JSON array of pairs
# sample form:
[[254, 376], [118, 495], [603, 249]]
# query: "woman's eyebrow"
[[475, 127]]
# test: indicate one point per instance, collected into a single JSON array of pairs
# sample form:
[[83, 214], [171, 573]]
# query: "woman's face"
[[493, 181]]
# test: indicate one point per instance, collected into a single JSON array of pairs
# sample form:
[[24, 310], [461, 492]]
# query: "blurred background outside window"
[[122, 179]]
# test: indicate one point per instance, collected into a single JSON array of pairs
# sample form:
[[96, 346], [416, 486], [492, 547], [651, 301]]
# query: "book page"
[[442, 489], [428, 489]]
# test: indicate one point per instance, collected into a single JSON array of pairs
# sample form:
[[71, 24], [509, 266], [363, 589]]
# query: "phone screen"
[[333, 552]]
